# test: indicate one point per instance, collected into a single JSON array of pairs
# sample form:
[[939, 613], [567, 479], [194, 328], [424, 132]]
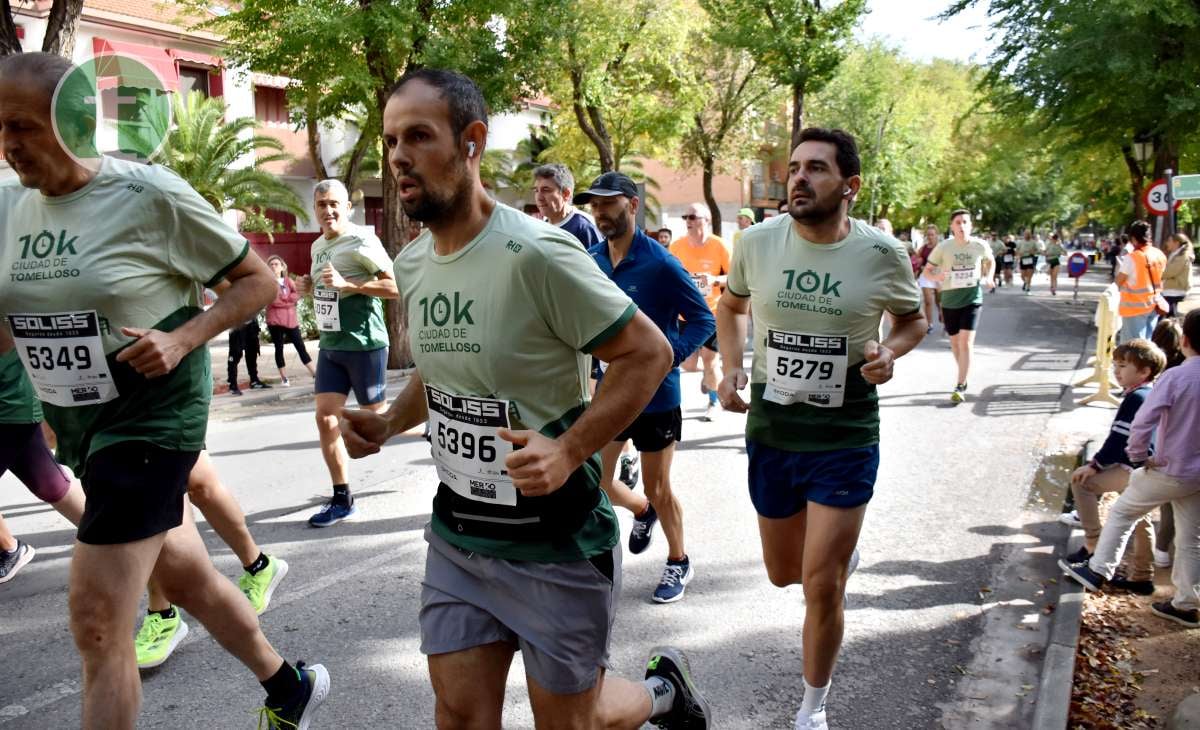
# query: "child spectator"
[[1172, 474], [1135, 365], [1168, 335]]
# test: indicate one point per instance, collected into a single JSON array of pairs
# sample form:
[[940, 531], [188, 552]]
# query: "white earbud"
[[846, 192], [470, 149]]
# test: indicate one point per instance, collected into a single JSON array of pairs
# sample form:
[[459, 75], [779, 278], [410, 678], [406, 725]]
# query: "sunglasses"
[[690, 217]]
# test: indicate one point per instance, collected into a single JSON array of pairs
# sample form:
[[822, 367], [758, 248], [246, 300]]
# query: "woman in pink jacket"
[[282, 322]]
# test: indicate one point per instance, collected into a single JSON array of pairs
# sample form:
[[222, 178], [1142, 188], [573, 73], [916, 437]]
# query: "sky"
[[911, 25]]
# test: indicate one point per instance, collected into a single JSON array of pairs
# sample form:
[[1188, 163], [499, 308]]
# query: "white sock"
[[814, 698], [662, 695]]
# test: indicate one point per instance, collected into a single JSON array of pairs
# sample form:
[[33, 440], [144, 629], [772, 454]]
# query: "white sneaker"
[[813, 721], [1070, 519], [1162, 558]]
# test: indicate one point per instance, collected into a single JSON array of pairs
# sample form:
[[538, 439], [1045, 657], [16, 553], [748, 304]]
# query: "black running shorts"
[[134, 490], [960, 318], [652, 432]]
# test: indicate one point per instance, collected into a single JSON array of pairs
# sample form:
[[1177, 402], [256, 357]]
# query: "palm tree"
[[203, 148]]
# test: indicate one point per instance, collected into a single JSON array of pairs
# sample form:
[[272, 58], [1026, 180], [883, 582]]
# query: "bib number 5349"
[[64, 357]]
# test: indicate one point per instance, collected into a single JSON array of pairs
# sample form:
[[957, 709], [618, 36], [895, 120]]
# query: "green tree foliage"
[[1101, 73], [205, 150], [798, 43]]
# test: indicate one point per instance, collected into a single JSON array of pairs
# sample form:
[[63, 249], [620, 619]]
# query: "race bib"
[[806, 368], [325, 304], [1008, 258], [468, 453], [64, 357], [1027, 261], [703, 283], [962, 277]]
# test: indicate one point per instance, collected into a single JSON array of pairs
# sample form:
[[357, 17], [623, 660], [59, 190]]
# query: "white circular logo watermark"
[[112, 104]]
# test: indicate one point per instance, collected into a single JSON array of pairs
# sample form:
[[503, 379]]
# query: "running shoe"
[[12, 562], [1136, 587], [1162, 558], [233, 390], [630, 469], [675, 578], [643, 530], [690, 709], [1079, 556], [259, 385], [158, 638], [285, 382], [261, 586], [297, 714], [709, 411], [1188, 617], [1083, 574], [960, 393], [1071, 519], [811, 721], [333, 513]]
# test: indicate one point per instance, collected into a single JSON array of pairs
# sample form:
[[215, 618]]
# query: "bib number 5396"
[[460, 442], [466, 448]]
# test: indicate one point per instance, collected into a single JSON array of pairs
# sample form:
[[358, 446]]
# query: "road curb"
[[1058, 666]]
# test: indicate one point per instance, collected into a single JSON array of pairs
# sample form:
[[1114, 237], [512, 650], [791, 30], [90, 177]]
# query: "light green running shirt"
[[963, 267], [350, 321]]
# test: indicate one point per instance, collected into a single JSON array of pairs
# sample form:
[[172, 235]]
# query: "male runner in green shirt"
[[818, 283], [504, 314]]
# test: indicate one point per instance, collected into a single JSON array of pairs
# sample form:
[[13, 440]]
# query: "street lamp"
[[1143, 148]]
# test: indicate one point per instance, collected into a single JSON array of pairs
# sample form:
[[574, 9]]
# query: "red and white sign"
[[1154, 197]]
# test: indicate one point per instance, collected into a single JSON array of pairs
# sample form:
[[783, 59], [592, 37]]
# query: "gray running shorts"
[[560, 615]]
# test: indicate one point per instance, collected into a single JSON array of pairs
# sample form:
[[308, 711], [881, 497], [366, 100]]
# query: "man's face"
[[432, 176], [744, 222], [695, 219], [816, 189], [27, 135], [333, 211], [614, 215], [551, 202], [961, 225], [664, 237]]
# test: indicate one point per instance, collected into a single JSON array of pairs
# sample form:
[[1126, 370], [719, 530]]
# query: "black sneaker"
[[233, 390], [259, 385], [297, 714], [12, 562], [1082, 574], [1139, 587], [1165, 609], [1079, 556], [630, 469], [690, 709], [643, 530]]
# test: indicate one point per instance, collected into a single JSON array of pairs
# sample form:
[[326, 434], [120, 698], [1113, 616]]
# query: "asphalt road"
[[952, 513]]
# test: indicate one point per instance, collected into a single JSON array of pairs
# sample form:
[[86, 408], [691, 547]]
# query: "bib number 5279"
[[465, 444], [795, 367], [65, 357]]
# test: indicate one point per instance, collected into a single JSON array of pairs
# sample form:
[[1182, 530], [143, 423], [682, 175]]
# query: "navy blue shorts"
[[364, 371], [783, 482]]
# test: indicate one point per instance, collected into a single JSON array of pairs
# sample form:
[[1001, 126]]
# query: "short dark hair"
[[1124, 238], [1168, 335], [1142, 353], [462, 96], [1140, 230], [847, 158], [956, 213], [1191, 328]]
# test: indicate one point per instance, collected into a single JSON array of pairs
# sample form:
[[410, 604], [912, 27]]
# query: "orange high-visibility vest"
[[1137, 293]]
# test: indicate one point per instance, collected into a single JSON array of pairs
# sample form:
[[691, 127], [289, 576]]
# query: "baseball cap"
[[608, 185], [747, 212]]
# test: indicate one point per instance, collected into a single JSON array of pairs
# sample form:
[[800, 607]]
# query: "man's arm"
[[638, 358], [251, 287], [1137, 448], [700, 321], [732, 324], [365, 432], [907, 332], [382, 286]]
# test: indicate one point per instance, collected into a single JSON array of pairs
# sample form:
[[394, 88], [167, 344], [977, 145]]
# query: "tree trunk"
[[797, 116], [312, 126], [394, 240], [1135, 181], [709, 199], [9, 43], [60, 27]]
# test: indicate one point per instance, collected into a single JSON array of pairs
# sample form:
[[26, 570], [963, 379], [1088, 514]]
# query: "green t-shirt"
[[512, 317], [963, 267], [358, 256], [1026, 249], [998, 248], [129, 249], [834, 290], [1055, 250], [18, 403]]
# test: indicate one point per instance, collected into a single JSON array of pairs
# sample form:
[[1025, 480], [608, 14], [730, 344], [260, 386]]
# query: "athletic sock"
[[712, 396], [167, 613], [645, 511], [282, 686], [662, 695], [259, 563], [341, 494], [814, 698]]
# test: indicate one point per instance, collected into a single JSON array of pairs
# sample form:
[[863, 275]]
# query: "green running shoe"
[[157, 639], [259, 588]]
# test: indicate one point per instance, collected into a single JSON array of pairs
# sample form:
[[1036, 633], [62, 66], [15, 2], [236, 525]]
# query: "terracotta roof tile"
[[162, 12]]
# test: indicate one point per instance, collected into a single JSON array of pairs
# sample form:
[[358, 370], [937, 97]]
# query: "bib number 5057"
[[466, 444], [65, 357]]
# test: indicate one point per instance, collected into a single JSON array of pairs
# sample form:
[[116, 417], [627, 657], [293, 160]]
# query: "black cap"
[[606, 186]]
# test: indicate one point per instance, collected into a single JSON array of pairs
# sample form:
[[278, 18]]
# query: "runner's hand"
[[1082, 474], [332, 279], [541, 466], [155, 353], [304, 285], [727, 392], [880, 360], [364, 432]]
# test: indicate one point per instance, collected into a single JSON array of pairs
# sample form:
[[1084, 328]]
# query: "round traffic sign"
[[1154, 197], [1077, 265]]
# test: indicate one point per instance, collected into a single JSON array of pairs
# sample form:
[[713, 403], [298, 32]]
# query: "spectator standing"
[[243, 342], [1177, 275], [1139, 277], [282, 322], [1168, 335]]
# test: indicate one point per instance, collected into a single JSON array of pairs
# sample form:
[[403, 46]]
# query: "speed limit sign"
[[1155, 198]]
